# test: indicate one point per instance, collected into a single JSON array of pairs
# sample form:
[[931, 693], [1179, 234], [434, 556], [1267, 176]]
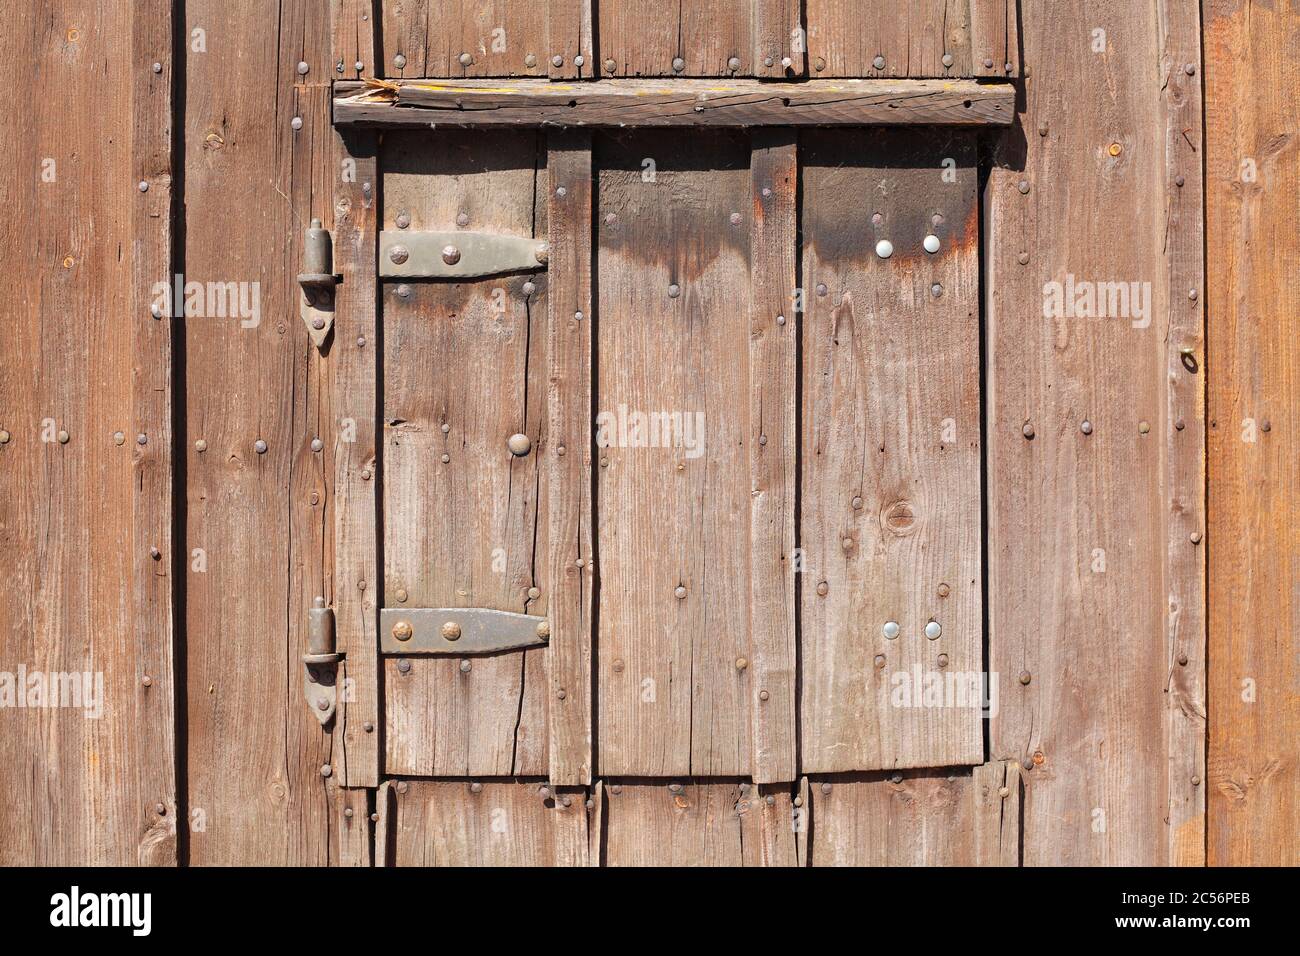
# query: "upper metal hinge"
[[457, 255], [457, 631]]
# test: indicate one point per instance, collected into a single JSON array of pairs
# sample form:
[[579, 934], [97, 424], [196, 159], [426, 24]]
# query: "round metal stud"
[[303, 68], [450, 255], [674, 291], [259, 446], [529, 288], [741, 663], [465, 667], [144, 186], [733, 64], [610, 66], [680, 592], [933, 630], [326, 770], [557, 60], [678, 64], [465, 59], [931, 244], [1025, 677], [530, 60], [296, 122], [399, 254], [890, 630], [543, 253], [402, 630], [403, 220], [201, 445], [947, 59], [1086, 427], [519, 444], [878, 63], [317, 444], [884, 249], [579, 60], [544, 630], [157, 67], [404, 666], [451, 631]]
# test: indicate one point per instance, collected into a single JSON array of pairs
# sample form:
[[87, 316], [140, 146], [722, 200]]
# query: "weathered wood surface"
[[569, 51], [1252, 112], [79, 519], [567, 456], [489, 823], [675, 690], [261, 520], [464, 38], [464, 369], [354, 379], [1095, 588], [773, 451], [918, 818], [995, 38], [886, 38], [691, 823], [890, 516], [713, 103]]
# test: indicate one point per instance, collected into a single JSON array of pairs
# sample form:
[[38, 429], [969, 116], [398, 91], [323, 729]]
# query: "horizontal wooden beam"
[[673, 103]]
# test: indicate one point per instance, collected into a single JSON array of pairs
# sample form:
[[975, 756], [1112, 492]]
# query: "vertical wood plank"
[[569, 37], [354, 39], [489, 824], [570, 561], [1178, 39], [773, 452], [673, 501], [256, 511], [1253, 206], [1084, 409], [780, 45], [86, 667], [464, 519], [679, 38], [917, 818], [995, 38], [884, 38], [700, 824], [891, 509], [351, 823], [464, 38], [353, 364]]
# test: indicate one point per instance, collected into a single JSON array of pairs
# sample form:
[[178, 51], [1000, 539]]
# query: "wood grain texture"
[[890, 517], [624, 103], [917, 818], [569, 36], [494, 823], [773, 451], [1094, 583], [780, 41], [690, 823], [464, 520], [353, 363], [886, 38], [354, 48], [676, 37], [261, 520], [1253, 192], [89, 774], [995, 38], [432, 38], [673, 494], [567, 459]]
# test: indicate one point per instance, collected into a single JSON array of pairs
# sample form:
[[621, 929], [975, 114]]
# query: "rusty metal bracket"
[[321, 664], [457, 255], [457, 631], [318, 282]]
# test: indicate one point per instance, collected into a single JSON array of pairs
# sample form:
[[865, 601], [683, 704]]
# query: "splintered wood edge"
[[626, 103]]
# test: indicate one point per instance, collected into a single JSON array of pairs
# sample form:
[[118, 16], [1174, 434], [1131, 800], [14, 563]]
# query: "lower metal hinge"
[[321, 663], [318, 282]]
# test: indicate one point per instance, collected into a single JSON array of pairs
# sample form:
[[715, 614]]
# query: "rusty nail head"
[[1004, 791], [374, 818], [943, 660], [465, 667], [200, 445], [763, 695], [64, 438], [259, 446], [466, 59], [450, 255], [826, 788], [403, 220], [348, 812], [944, 590], [317, 444], [399, 254], [534, 593], [401, 786], [680, 592], [160, 809], [399, 61], [822, 588], [1195, 537], [543, 253], [1086, 427], [610, 66], [741, 663], [947, 59], [476, 787], [1025, 677], [530, 60], [544, 630], [1023, 186], [402, 630], [451, 630], [326, 770], [880, 661], [674, 291], [402, 595], [368, 727], [878, 62], [519, 444], [561, 694]]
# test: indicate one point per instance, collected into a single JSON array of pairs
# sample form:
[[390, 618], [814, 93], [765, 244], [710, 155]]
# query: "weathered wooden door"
[[660, 409]]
